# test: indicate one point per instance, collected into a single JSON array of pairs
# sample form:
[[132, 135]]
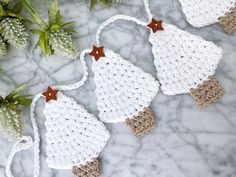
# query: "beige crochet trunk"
[[143, 123], [208, 92], [91, 169], [228, 21]]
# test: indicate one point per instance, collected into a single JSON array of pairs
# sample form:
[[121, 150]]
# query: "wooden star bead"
[[156, 25], [50, 94], [97, 52]]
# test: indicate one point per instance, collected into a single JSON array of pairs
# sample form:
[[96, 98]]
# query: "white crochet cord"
[[183, 60], [34, 122], [126, 18], [123, 90], [148, 10], [22, 144], [201, 13], [74, 137], [112, 20]]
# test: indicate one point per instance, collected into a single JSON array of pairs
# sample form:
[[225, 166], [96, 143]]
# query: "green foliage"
[[11, 121], [54, 34], [4, 1], [94, 2]]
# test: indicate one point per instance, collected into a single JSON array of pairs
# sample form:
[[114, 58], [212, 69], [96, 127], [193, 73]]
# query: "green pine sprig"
[[54, 37]]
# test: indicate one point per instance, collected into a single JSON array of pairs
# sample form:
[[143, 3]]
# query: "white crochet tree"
[[185, 63], [124, 92], [200, 13], [74, 137]]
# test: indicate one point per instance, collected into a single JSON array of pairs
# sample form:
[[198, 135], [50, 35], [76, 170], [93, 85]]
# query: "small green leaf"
[[34, 14], [93, 3], [70, 30], [68, 23], [38, 20], [42, 44], [37, 31], [1, 10], [28, 6], [15, 92], [23, 101], [58, 17], [55, 27], [36, 45], [52, 12], [1, 99]]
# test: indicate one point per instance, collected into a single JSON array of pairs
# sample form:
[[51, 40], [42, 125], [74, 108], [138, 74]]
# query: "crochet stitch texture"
[[123, 90], [183, 60], [201, 13], [74, 137]]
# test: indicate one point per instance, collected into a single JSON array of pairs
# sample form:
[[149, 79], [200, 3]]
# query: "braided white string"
[[84, 78], [36, 136], [148, 10], [19, 145], [22, 144], [113, 19]]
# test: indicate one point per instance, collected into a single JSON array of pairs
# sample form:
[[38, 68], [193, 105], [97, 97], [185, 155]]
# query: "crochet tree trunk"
[[186, 63], [202, 13], [124, 93], [74, 137]]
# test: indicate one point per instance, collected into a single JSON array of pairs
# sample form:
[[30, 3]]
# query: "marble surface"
[[189, 141]]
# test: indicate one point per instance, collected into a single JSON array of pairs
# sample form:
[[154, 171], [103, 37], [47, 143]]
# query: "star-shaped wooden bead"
[[156, 25], [50, 94], [97, 52]]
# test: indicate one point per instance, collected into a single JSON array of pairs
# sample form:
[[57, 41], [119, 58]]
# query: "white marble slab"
[[189, 141]]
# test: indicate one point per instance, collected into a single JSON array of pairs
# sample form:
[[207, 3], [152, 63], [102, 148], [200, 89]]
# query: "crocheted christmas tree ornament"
[[124, 91], [74, 137], [185, 63], [201, 13]]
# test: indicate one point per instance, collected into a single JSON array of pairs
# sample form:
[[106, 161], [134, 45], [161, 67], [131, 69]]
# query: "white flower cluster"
[[14, 32], [11, 124], [62, 43]]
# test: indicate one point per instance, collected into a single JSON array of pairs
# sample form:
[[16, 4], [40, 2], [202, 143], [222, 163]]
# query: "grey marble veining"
[[189, 141]]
